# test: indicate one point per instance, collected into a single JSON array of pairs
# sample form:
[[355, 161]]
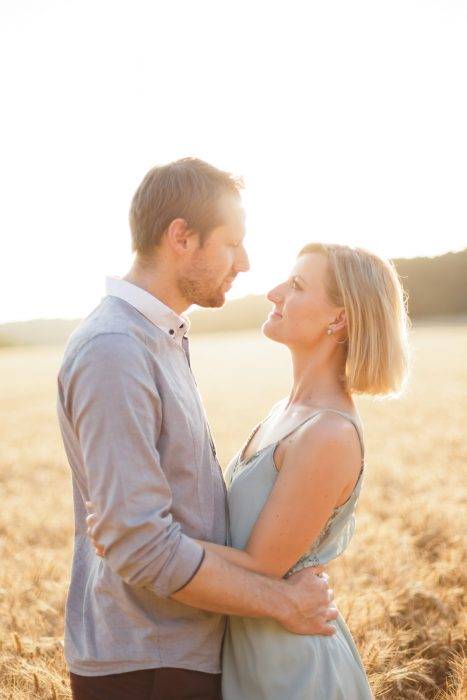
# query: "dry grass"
[[402, 581]]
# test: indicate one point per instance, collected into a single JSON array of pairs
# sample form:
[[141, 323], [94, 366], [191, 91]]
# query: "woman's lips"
[[274, 314]]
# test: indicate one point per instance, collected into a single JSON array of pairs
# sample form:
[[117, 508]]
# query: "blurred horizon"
[[233, 295]]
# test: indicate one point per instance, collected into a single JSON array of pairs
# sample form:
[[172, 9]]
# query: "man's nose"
[[242, 263]]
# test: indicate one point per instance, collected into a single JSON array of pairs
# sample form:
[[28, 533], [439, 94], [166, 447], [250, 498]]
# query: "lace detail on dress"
[[310, 558]]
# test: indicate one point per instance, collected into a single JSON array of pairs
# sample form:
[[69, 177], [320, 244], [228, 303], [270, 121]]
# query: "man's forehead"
[[232, 211]]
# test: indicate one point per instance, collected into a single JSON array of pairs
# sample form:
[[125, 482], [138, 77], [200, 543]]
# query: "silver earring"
[[329, 331]]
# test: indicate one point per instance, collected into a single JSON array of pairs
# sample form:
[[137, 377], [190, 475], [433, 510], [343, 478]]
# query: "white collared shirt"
[[149, 306]]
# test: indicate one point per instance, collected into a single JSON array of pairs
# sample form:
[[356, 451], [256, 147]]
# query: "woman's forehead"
[[310, 266]]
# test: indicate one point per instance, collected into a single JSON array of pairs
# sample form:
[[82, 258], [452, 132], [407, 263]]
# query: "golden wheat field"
[[401, 583]]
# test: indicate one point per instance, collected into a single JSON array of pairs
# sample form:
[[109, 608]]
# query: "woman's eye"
[[295, 285]]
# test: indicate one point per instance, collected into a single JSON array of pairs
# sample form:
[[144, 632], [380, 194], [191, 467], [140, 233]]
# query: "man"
[[148, 621]]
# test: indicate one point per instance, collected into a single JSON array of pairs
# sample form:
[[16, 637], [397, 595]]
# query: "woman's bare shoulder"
[[328, 441]]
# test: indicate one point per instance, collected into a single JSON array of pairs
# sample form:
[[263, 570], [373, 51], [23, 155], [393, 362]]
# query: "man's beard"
[[198, 287]]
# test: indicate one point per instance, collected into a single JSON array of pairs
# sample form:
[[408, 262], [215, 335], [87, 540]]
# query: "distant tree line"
[[435, 287]]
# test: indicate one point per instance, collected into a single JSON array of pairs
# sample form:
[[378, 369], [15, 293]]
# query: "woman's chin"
[[268, 330]]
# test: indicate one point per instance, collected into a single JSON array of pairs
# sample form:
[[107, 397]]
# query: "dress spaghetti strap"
[[330, 410], [241, 455]]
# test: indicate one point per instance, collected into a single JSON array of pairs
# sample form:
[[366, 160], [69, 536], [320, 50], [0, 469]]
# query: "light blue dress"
[[262, 660]]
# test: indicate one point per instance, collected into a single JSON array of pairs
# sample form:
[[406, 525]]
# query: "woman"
[[294, 486]]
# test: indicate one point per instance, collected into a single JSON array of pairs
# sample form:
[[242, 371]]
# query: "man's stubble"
[[199, 285]]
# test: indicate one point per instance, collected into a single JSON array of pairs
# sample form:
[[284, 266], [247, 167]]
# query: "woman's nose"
[[274, 295]]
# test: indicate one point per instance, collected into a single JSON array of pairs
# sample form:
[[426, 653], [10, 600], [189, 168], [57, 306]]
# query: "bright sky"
[[346, 119]]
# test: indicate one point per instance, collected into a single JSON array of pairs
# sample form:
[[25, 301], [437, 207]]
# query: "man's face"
[[211, 269]]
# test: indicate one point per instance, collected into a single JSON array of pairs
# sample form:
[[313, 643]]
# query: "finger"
[[99, 551], [88, 505], [318, 569], [91, 520], [332, 613], [98, 547], [328, 630], [323, 585], [330, 594]]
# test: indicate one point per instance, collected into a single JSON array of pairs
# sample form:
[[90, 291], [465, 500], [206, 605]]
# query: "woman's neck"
[[318, 379]]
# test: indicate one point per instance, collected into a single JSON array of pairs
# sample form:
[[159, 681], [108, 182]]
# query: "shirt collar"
[[149, 306]]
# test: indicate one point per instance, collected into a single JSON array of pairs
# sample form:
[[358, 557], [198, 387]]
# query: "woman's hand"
[[91, 522]]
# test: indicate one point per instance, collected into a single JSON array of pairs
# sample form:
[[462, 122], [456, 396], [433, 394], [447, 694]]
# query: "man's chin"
[[214, 302]]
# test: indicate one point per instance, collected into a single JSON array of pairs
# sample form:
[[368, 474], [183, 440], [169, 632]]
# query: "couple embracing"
[[186, 584]]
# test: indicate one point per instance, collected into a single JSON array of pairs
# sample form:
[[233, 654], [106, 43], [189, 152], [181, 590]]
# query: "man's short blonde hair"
[[189, 189], [370, 291]]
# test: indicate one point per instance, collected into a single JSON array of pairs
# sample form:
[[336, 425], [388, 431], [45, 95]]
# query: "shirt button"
[[171, 331]]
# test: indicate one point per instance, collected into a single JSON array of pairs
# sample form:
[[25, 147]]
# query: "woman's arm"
[[239, 557], [320, 468]]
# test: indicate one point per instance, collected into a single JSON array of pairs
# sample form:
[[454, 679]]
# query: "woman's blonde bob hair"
[[369, 290]]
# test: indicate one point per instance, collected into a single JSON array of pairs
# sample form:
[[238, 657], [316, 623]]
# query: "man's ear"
[[180, 238]]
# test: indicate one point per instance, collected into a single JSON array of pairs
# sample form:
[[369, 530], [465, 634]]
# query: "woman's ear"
[[340, 321]]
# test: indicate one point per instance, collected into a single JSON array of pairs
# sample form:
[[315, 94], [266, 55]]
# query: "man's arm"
[[111, 399], [220, 584], [301, 604]]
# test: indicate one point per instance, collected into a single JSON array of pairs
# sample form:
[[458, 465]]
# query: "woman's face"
[[302, 312]]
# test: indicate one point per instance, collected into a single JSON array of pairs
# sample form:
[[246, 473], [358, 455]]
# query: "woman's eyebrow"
[[301, 278]]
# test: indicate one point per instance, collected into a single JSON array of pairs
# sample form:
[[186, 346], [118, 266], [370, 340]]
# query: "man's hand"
[[311, 609]]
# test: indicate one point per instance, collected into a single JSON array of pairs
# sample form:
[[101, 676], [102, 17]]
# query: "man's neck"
[[160, 283]]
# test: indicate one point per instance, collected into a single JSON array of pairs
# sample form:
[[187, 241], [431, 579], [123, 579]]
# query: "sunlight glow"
[[346, 120]]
